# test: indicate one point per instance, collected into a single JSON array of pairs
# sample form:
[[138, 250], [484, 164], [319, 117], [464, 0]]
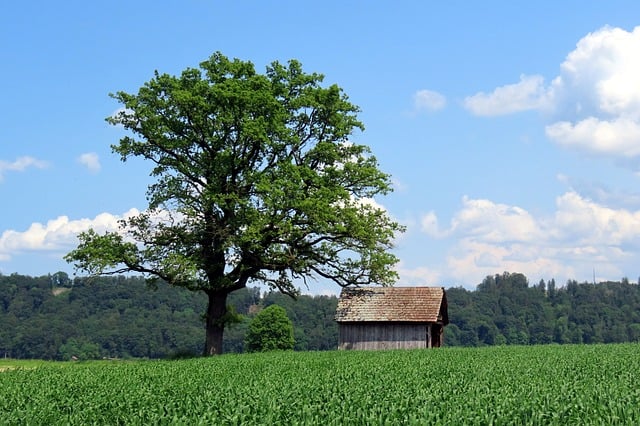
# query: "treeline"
[[505, 309], [55, 317]]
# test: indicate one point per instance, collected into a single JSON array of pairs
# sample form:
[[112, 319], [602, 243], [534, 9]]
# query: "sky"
[[511, 129]]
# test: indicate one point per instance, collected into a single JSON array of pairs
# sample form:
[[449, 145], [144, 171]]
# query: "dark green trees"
[[270, 330], [256, 180]]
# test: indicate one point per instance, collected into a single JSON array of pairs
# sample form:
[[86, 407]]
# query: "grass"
[[525, 385]]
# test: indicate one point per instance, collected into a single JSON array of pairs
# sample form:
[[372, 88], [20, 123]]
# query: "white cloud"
[[428, 100], [420, 276], [528, 94], [56, 235], [581, 235], [370, 202], [123, 114], [619, 137], [590, 224], [494, 222], [598, 96], [20, 164], [91, 161], [430, 226], [593, 105], [602, 72], [471, 261]]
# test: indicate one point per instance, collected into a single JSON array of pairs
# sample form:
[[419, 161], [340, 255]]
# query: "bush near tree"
[[270, 330]]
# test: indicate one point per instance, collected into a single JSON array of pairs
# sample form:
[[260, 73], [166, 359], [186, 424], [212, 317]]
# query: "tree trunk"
[[215, 321]]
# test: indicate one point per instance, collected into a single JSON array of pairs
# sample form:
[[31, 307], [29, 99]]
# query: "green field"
[[520, 385]]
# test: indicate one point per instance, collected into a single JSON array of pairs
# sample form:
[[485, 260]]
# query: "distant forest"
[[56, 317]]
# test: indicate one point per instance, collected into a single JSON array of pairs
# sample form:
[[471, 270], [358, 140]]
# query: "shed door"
[[436, 335]]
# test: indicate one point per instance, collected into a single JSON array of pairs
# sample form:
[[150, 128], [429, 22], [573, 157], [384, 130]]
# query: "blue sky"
[[511, 129]]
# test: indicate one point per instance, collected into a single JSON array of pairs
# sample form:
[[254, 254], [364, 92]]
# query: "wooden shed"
[[391, 317]]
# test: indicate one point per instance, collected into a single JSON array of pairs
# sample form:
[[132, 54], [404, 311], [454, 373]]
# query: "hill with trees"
[[505, 309], [56, 317]]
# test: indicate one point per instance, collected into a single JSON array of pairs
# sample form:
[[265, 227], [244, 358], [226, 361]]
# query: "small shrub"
[[270, 330]]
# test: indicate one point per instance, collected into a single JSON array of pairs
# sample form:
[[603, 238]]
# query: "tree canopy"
[[256, 180]]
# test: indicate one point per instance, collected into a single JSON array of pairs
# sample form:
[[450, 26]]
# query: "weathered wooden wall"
[[384, 335]]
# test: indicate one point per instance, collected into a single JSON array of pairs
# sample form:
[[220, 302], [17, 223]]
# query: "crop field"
[[519, 385]]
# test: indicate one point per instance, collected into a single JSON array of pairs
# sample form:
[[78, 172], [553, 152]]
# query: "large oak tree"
[[256, 180]]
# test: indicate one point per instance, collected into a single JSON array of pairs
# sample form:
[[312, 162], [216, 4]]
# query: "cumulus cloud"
[[597, 97], [528, 94], [580, 235], [617, 137], [91, 161], [20, 164], [587, 223], [497, 223], [420, 276], [592, 105], [428, 101], [56, 235], [602, 72]]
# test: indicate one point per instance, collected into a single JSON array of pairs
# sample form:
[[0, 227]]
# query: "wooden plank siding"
[[383, 336]]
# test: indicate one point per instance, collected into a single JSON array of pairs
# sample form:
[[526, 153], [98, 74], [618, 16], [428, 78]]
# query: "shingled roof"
[[406, 304]]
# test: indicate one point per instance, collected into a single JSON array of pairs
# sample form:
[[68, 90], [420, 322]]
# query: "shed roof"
[[407, 304]]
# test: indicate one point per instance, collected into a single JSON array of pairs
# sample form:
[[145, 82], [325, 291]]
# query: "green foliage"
[[111, 316], [257, 180], [595, 384], [270, 330], [127, 320], [124, 319], [256, 173], [75, 349], [505, 308]]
